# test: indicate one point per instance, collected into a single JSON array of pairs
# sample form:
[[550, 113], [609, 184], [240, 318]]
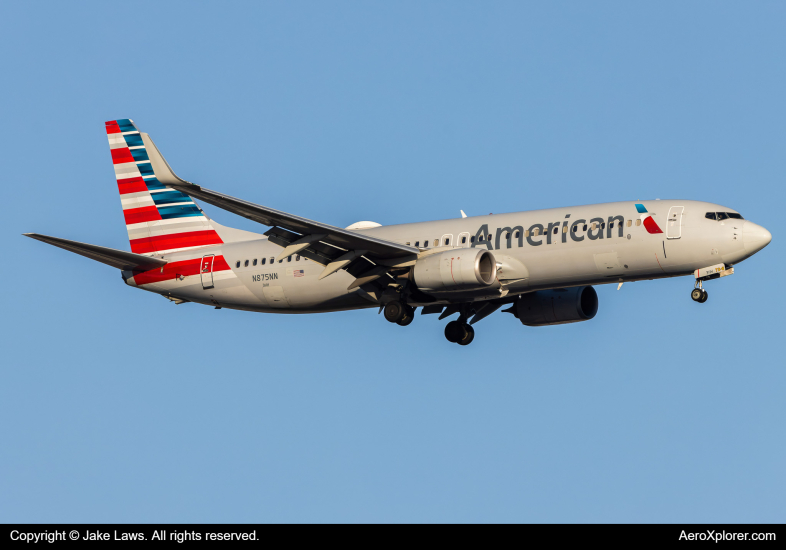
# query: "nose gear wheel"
[[699, 295]]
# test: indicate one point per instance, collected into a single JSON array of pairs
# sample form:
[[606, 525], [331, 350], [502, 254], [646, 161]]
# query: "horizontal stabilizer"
[[116, 258]]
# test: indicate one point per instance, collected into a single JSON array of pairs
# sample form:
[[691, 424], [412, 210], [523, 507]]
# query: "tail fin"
[[158, 218]]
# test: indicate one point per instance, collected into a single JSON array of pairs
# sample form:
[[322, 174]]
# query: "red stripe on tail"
[[112, 127], [131, 185], [178, 240], [121, 155], [143, 214]]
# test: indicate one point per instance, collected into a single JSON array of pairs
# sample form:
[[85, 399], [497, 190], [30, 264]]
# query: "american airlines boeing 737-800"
[[541, 263]]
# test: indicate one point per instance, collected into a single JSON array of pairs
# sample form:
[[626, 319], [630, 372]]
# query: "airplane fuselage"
[[534, 250]]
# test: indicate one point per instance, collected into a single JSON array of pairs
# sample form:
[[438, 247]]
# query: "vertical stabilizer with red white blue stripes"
[[158, 218]]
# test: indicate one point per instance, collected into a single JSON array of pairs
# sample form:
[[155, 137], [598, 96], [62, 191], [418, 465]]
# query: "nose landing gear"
[[698, 294]]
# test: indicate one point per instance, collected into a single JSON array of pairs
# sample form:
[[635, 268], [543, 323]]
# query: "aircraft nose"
[[754, 237]]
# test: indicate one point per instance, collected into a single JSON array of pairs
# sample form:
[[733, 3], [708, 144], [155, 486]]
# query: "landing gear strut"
[[698, 294]]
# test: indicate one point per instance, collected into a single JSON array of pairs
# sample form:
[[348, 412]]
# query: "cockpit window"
[[723, 216]]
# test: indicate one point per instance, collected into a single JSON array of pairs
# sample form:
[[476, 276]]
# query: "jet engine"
[[457, 269], [556, 307]]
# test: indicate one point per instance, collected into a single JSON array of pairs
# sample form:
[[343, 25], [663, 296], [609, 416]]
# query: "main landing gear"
[[459, 333], [399, 313], [698, 294]]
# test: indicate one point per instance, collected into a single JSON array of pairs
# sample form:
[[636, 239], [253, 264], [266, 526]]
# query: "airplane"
[[541, 264]]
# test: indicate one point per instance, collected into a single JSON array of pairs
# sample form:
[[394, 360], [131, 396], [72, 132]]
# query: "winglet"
[[463, 215]]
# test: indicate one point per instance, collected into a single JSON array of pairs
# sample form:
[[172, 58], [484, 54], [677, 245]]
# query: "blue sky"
[[117, 405]]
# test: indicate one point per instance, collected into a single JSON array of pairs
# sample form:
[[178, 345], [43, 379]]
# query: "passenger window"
[[407, 243], [594, 225], [289, 258], [575, 228], [463, 240], [245, 264], [564, 228], [555, 230], [603, 225], [272, 260], [518, 234], [536, 231], [238, 264], [584, 228], [472, 239], [628, 223], [436, 242], [255, 261], [263, 261], [447, 242], [611, 225], [425, 243], [417, 243], [526, 233], [638, 223], [722, 216]]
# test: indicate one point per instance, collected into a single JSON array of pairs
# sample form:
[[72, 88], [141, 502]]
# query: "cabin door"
[[206, 271], [674, 222]]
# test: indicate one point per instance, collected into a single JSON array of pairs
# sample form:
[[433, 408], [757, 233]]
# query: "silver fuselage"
[[564, 257]]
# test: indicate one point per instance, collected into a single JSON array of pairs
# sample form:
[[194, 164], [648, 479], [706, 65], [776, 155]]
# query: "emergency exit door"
[[674, 222], [206, 271]]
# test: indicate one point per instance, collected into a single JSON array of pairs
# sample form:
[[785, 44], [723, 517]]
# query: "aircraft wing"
[[329, 245], [336, 236], [116, 258]]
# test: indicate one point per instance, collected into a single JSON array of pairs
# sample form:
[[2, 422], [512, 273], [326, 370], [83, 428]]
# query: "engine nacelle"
[[457, 269], [557, 307]]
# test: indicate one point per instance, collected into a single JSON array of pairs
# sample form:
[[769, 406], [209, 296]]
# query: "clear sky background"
[[117, 405]]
